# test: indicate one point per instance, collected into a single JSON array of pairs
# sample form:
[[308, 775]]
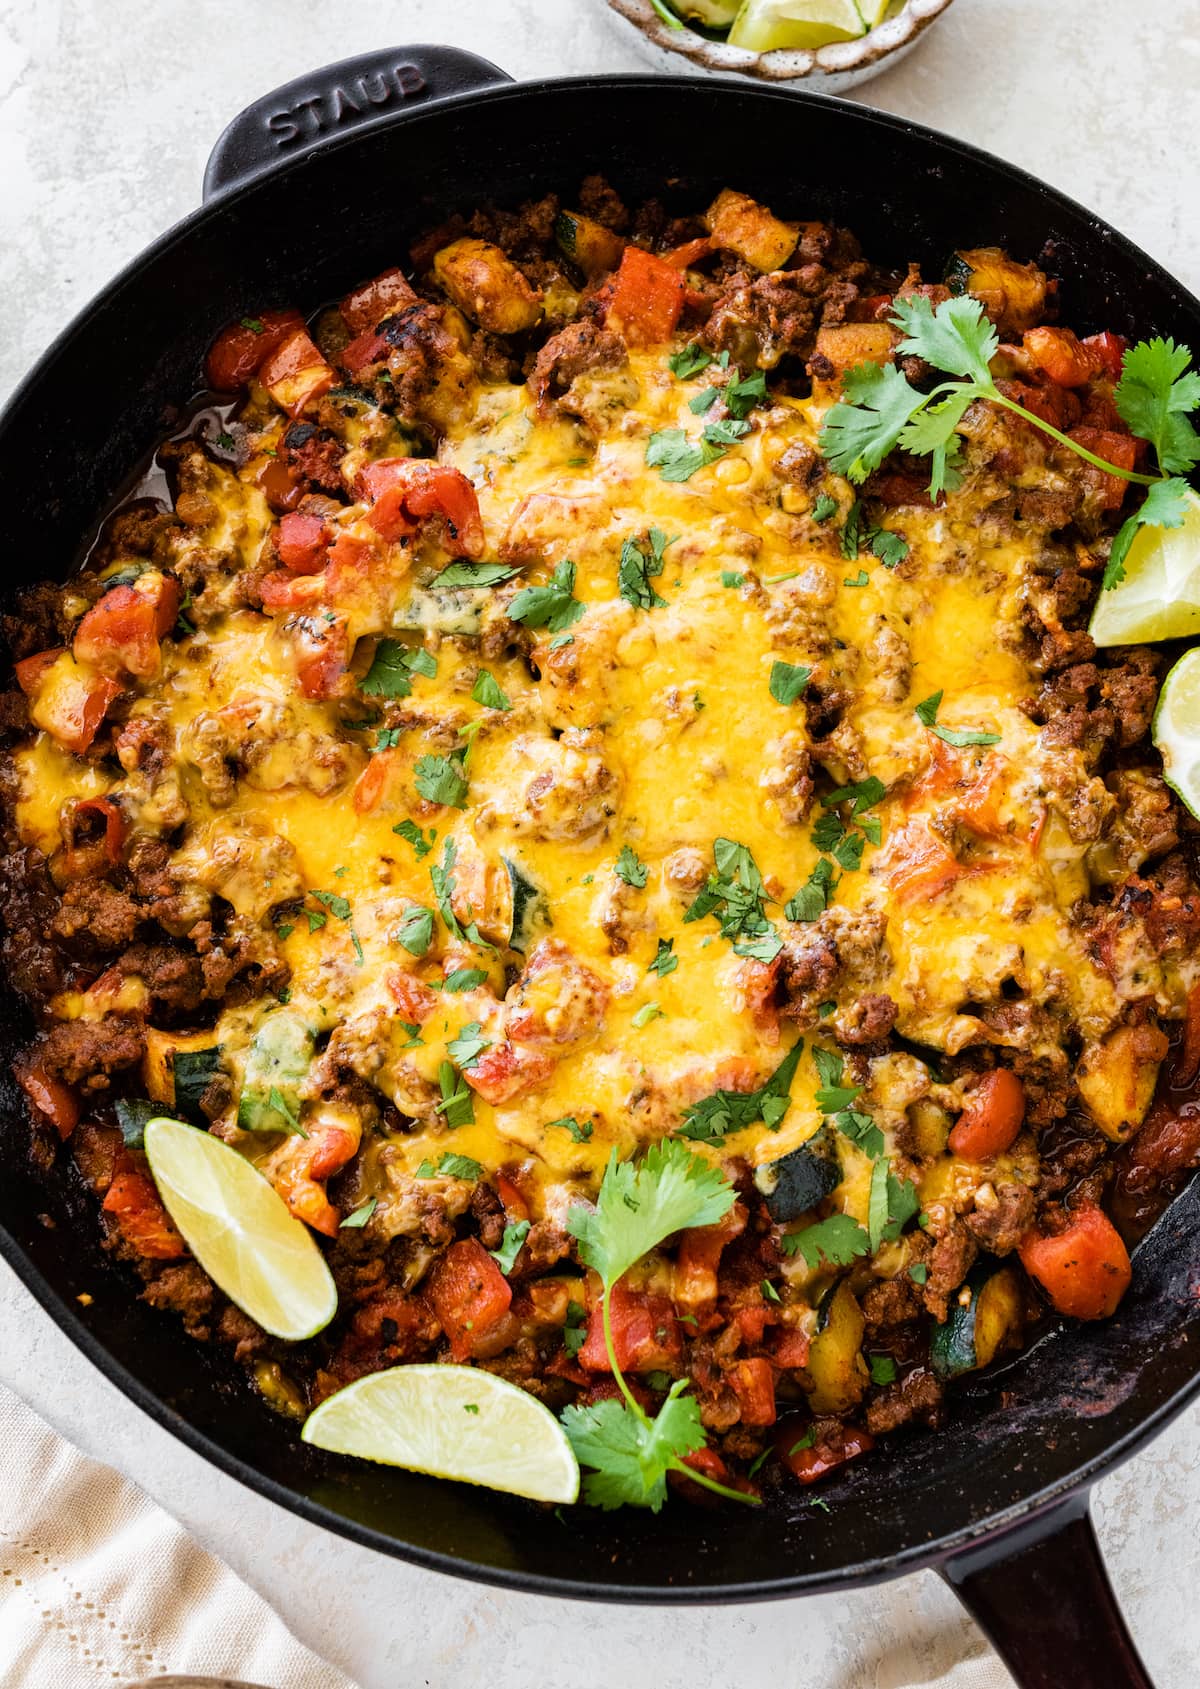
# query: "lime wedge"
[[763, 25], [241, 1233], [1177, 729], [1160, 595], [452, 1422]]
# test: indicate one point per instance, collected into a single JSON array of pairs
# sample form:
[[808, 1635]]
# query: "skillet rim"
[[928, 1553]]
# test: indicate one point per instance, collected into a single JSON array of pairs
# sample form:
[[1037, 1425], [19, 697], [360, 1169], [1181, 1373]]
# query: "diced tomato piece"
[[921, 865], [106, 812], [301, 542], [694, 1289], [353, 562], [1085, 1270], [759, 983], [647, 298], [789, 1347], [508, 1070], [323, 657], [709, 1463], [134, 1203], [753, 1319], [992, 1117], [1061, 355], [1108, 352], [753, 1383], [68, 699], [512, 1196], [123, 630], [239, 350], [691, 252], [809, 1464], [283, 591], [280, 485], [362, 351], [372, 783], [1059, 406], [644, 1330], [1121, 449], [295, 373], [404, 490], [51, 1097], [416, 1002], [366, 307], [470, 1296]]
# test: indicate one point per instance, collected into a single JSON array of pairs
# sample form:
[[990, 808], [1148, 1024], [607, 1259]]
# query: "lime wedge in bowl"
[[1160, 595], [1176, 729], [451, 1422], [762, 26], [238, 1228]]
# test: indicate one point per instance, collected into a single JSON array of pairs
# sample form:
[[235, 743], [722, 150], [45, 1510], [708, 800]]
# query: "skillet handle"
[[1042, 1596], [326, 103]]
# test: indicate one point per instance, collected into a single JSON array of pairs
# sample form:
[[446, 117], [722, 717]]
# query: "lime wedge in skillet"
[[1177, 729], [241, 1233], [1160, 595], [763, 25], [451, 1422]]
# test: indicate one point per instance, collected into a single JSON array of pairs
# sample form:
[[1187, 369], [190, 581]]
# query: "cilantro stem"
[[610, 1347], [712, 1484], [998, 398]]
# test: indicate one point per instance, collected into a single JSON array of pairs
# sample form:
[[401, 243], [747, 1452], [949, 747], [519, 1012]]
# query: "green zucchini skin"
[[193, 1070], [800, 1180], [530, 910], [952, 1345], [276, 1066], [957, 275]]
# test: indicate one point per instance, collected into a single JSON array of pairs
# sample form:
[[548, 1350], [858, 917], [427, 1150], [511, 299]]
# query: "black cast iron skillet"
[[325, 182]]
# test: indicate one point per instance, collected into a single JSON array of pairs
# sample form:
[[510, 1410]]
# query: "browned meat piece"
[[600, 201], [1168, 905], [39, 621], [890, 1302], [240, 1332], [953, 1254], [97, 915], [96, 1150], [31, 961], [758, 322], [487, 1210], [1001, 1216], [1092, 707], [1144, 826], [432, 376], [87, 1052], [919, 1396], [841, 949], [184, 1289], [545, 1246], [573, 351], [314, 455], [866, 1021]]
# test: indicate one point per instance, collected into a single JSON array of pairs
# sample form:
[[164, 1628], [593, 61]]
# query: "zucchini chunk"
[[973, 1333], [451, 610], [530, 909], [740, 224], [836, 1372], [1012, 294], [798, 1181], [177, 1068], [276, 1066], [486, 286], [587, 243]]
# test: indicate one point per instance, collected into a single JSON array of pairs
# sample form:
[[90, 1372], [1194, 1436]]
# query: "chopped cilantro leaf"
[[392, 668], [731, 577], [415, 931], [456, 1105], [788, 681], [360, 1216], [629, 868], [676, 457], [665, 960], [742, 396], [337, 906], [927, 714], [814, 895], [691, 361], [450, 1166], [413, 835], [474, 574], [442, 780], [486, 691], [515, 1234], [918, 1272], [466, 1048], [647, 1013], [463, 979], [735, 893], [640, 561], [860, 579], [713, 1117], [834, 1242], [824, 508], [580, 1131], [552, 605]]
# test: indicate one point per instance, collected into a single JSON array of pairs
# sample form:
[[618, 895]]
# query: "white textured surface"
[[107, 111]]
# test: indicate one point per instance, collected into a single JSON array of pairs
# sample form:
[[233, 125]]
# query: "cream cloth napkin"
[[99, 1587]]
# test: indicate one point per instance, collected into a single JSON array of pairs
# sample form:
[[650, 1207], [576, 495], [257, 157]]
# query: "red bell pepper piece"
[[283, 591], [123, 630], [323, 657], [402, 491], [301, 542], [753, 1383], [363, 350], [691, 252], [509, 1070], [1121, 449], [1061, 355], [809, 1464], [992, 1117], [295, 373], [470, 1296], [51, 1097], [647, 300], [699, 1256], [114, 828], [365, 307], [644, 1330], [1108, 352], [239, 351], [68, 699], [134, 1203], [1084, 1270], [416, 1002], [789, 1348]]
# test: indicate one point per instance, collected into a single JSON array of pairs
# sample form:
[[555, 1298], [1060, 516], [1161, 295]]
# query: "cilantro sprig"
[[629, 1452], [641, 561], [882, 410], [709, 1120], [735, 893], [552, 606]]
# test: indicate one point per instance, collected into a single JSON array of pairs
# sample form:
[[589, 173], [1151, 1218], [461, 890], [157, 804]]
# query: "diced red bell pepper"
[[647, 299], [509, 1070], [239, 350], [789, 1347], [123, 630], [1059, 406], [694, 1289], [1121, 449], [753, 1383], [295, 373], [372, 783], [362, 351], [105, 811], [1108, 352], [68, 699], [302, 542], [809, 1464], [323, 657], [51, 1097], [512, 1196], [352, 562], [992, 1117], [1061, 355], [691, 252], [402, 491], [470, 1296], [1084, 1270], [644, 1330], [134, 1203], [283, 591], [365, 307], [752, 1319], [416, 1002]]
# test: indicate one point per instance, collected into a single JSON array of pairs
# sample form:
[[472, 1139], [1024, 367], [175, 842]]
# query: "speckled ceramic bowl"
[[830, 70]]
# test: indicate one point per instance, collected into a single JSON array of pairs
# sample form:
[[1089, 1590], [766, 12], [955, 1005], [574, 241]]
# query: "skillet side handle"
[[312, 109], [1042, 1597]]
